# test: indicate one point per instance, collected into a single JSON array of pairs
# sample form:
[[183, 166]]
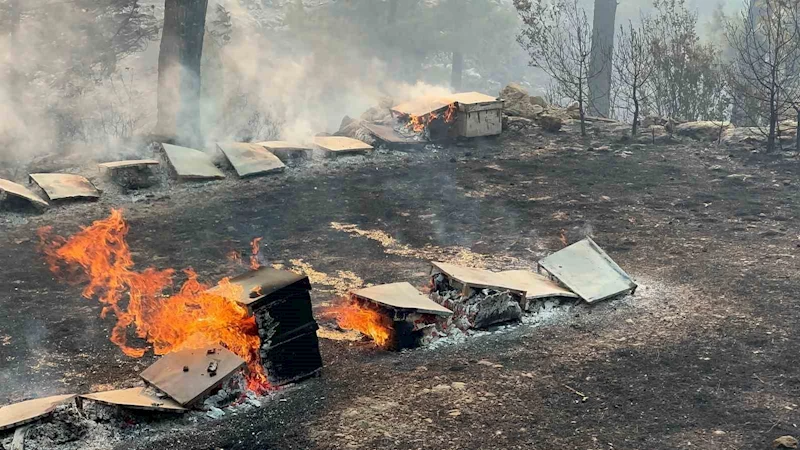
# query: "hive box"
[[478, 115]]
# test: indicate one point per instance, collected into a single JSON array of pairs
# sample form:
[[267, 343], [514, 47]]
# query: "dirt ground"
[[703, 356]]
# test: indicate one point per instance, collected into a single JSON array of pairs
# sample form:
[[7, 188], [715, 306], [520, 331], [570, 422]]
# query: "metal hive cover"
[[59, 186], [403, 296], [266, 280], [18, 190], [251, 159], [129, 163], [186, 387], [588, 271], [191, 164], [135, 398], [28, 411]]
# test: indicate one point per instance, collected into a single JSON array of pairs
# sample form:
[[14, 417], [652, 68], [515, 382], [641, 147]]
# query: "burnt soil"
[[708, 364]]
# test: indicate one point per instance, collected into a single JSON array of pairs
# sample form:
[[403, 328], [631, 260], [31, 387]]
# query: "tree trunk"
[[605, 12], [797, 131], [458, 71], [179, 71], [635, 127]]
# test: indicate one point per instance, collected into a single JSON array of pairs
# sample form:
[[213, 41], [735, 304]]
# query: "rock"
[[537, 109], [346, 120], [743, 135], [215, 413], [785, 442], [377, 115], [702, 131], [538, 101], [574, 106], [653, 120], [549, 122], [459, 385], [518, 102], [441, 388], [719, 433], [386, 102]]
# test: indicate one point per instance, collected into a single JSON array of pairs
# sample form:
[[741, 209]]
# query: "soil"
[[701, 357]]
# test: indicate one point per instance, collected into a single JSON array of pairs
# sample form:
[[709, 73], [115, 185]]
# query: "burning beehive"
[[394, 315], [468, 114]]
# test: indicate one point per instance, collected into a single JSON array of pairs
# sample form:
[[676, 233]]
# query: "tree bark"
[[797, 132], [605, 12], [635, 128], [458, 71], [179, 71]]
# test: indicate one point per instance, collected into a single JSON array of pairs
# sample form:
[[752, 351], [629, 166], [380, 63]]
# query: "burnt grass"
[[713, 367]]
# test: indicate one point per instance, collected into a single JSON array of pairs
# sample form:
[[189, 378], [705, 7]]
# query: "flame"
[[234, 257], [418, 124], [350, 315], [191, 318], [255, 246]]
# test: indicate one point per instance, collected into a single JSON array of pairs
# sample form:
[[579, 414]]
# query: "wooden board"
[[403, 296], [140, 163], [135, 398], [390, 136], [59, 186], [251, 159], [266, 279], [473, 98], [287, 151], [20, 191], [478, 278], [588, 271], [340, 145], [188, 387], [28, 411], [191, 164], [535, 285]]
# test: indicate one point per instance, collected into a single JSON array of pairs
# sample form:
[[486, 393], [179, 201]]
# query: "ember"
[[193, 318], [255, 247]]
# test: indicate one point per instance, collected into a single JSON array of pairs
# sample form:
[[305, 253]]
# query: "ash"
[[99, 427]]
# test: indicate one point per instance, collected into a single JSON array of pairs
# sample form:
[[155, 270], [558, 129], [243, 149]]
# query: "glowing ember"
[[255, 246], [350, 315], [192, 318]]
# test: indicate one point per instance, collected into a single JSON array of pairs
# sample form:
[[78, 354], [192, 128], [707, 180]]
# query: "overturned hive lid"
[[20, 191], [138, 163], [340, 145], [535, 285], [191, 164], [588, 271], [422, 106], [251, 159], [402, 296], [283, 145], [28, 411], [258, 285], [390, 136], [59, 186], [479, 278], [135, 398], [188, 375]]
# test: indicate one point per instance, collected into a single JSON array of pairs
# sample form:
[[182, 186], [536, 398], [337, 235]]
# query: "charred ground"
[[715, 351]]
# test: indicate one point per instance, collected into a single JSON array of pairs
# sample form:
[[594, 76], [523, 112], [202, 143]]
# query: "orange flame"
[[192, 318], [418, 124], [255, 247], [450, 114], [350, 315]]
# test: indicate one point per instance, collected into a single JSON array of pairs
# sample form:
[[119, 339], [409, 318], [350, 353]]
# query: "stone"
[[785, 442], [705, 130], [539, 101], [458, 385], [518, 102], [441, 388], [550, 122], [574, 106]]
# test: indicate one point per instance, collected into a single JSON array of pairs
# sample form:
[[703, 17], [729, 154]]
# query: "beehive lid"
[[479, 278], [283, 145], [189, 386], [128, 164], [472, 98], [422, 106], [59, 186], [20, 191], [135, 398], [251, 159], [334, 145], [535, 285], [588, 271], [191, 164], [258, 284], [402, 296], [28, 411]]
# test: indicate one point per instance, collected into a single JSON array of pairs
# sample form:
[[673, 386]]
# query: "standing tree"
[[179, 71], [558, 39], [600, 64], [767, 57], [633, 65]]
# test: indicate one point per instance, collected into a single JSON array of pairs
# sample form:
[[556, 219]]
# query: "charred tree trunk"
[[605, 12], [635, 128], [797, 131], [179, 71], [458, 71]]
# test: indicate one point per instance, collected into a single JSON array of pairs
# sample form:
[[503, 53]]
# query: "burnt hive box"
[[478, 114], [281, 303]]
